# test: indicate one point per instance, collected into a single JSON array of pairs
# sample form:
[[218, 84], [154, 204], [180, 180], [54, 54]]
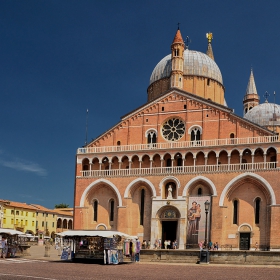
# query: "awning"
[[10, 231]]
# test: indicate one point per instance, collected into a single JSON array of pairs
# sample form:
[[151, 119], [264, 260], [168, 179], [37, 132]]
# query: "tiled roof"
[[19, 205]]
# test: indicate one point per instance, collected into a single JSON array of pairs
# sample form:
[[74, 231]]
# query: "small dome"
[[195, 64], [263, 114]]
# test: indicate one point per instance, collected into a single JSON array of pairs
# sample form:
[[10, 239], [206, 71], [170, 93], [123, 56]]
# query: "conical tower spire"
[[177, 60], [209, 52], [178, 37], [251, 98]]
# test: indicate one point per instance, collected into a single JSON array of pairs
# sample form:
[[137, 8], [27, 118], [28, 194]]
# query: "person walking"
[[3, 247]]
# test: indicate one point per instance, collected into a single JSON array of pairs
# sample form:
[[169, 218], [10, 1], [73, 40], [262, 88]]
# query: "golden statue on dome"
[[209, 36]]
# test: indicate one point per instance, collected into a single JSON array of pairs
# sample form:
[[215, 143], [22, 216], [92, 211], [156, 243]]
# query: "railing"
[[185, 144], [155, 171]]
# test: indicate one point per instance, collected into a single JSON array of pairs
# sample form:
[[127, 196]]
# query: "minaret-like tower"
[[177, 61], [209, 52], [251, 98]]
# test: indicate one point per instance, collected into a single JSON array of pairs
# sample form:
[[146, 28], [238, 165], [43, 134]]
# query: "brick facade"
[[123, 176]]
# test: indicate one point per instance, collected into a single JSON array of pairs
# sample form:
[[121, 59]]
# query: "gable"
[[213, 120]]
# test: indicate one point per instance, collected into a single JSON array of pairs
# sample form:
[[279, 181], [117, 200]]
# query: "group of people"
[[146, 245], [210, 246], [170, 245]]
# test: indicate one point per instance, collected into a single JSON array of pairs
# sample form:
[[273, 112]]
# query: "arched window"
[[257, 210], [95, 210], [112, 208], [195, 132], [235, 212], [142, 205], [168, 162], [85, 164], [152, 138]]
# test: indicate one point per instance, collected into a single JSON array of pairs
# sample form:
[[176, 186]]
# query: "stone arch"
[[241, 177], [101, 227], [169, 178], [151, 129], [245, 225], [196, 179], [86, 191], [127, 190], [193, 127], [162, 209]]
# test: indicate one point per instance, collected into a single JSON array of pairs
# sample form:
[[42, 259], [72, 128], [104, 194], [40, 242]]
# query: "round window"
[[173, 129]]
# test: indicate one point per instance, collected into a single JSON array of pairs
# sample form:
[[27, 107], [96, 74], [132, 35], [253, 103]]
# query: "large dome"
[[263, 114], [195, 64]]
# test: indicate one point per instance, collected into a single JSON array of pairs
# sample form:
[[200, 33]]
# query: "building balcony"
[[180, 145], [196, 169]]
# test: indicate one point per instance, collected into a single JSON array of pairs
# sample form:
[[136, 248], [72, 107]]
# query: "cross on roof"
[[266, 96]]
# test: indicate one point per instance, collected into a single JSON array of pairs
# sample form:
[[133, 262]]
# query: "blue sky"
[[59, 58]]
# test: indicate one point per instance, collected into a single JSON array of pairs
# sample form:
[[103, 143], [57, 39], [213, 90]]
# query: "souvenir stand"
[[132, 247], [12, 245], [103, 245]]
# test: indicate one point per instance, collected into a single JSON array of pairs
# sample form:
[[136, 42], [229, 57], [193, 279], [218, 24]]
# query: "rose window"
[[173, 129]]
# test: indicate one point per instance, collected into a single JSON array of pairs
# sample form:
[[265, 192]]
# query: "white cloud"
[[23, 165]]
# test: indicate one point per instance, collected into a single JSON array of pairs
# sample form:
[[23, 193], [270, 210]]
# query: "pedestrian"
[[144, 244], [156, 244], [175, 244], [3, 247], [159, 243], [210, 245], [256, 246], [200, 244], [149, 244]]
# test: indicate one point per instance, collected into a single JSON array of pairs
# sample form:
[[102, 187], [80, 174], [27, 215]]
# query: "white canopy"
[[10, 231], [101, 233]]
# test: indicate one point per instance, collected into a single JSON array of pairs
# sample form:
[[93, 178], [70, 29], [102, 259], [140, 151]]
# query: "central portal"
[[169, 232]]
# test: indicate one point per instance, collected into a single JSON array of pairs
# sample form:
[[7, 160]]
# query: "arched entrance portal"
[[169, 232], [169, 219], [244, 237]]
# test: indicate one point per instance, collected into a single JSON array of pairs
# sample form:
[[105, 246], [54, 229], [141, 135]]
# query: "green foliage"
[[61, 205]]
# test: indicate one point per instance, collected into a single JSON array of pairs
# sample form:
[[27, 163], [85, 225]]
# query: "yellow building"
[[46, 220], [19, 216], [64, 219]]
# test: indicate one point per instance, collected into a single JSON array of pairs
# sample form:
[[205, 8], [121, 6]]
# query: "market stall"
[[11, 240], [106, 246]]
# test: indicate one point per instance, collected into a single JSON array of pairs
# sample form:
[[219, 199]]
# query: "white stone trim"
[[244, 175], [245, 224], [83, 197], [151, 129], [101, 225], [202, 178], [139, 180]]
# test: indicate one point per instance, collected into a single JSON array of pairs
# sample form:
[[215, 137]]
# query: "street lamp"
[[207, 206]]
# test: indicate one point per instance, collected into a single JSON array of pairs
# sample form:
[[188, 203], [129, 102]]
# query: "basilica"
[[184, 166]]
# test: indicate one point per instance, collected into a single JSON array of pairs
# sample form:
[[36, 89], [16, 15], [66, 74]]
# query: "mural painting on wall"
[[196, 220]]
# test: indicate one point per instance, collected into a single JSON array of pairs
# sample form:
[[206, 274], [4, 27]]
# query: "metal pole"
[[206, 241]]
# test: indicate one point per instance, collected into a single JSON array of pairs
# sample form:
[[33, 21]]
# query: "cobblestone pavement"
[[59, 270], [38, 267]]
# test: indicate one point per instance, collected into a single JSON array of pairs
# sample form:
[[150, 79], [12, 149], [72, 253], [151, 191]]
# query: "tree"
[[61, 205]]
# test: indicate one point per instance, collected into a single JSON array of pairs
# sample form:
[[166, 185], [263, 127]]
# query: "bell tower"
[[177, 61], [251, 98]]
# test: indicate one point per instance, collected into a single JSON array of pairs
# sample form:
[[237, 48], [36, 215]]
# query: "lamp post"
[[207, 206]]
